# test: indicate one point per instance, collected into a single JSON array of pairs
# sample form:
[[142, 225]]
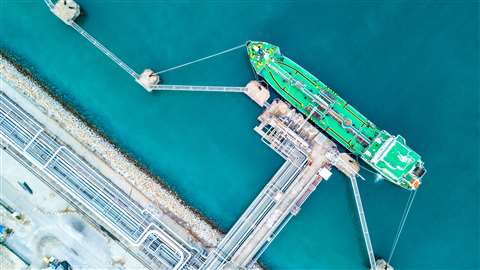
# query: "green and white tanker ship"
[[387, 154]]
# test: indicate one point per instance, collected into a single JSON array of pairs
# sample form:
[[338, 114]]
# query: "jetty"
[[68, 10], [310, 158]]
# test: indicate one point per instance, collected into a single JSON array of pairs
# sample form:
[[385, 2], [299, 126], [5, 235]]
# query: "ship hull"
[[388, 155]]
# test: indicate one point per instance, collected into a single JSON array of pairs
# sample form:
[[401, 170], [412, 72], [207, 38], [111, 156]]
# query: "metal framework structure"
[[104, 50], [136, 76], [158, 243], [363, 221], [198, 88], [251, 218], [280, 136]]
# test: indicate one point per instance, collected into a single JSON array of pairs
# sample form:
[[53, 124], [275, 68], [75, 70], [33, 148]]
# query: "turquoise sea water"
[[410, 67]]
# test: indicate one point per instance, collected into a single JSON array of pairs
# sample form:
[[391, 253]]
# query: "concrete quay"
[[308, 154], [10, 260], [157, 242], [50, 224]]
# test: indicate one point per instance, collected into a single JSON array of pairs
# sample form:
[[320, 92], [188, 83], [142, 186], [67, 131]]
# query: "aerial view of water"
[[411, 67]]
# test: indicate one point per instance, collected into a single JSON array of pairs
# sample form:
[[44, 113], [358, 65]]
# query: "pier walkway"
[[251, 220], [63, 7], [306, 165], [104, 50], [158, 246], [363, 221], [308, 155], [148, 79], [197, 88], [143, 80]]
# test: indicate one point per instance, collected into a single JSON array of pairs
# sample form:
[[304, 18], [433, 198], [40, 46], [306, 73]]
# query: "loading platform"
[[309, 155]]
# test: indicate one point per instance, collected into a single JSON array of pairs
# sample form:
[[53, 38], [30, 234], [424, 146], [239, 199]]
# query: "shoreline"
[[153, 187]]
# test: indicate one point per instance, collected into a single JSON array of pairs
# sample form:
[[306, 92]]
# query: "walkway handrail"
[[83, 183], [96, 43], [49, 3], [103, 49], [199, 88], [363, 222]]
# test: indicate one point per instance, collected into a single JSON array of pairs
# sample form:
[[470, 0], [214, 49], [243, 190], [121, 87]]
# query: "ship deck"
[[335, 116]]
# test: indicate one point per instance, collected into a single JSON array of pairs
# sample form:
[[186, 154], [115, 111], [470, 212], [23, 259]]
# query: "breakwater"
[[162, 198]]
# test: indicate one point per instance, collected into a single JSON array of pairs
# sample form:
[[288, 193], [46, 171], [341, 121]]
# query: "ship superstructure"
[[389, 155]]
